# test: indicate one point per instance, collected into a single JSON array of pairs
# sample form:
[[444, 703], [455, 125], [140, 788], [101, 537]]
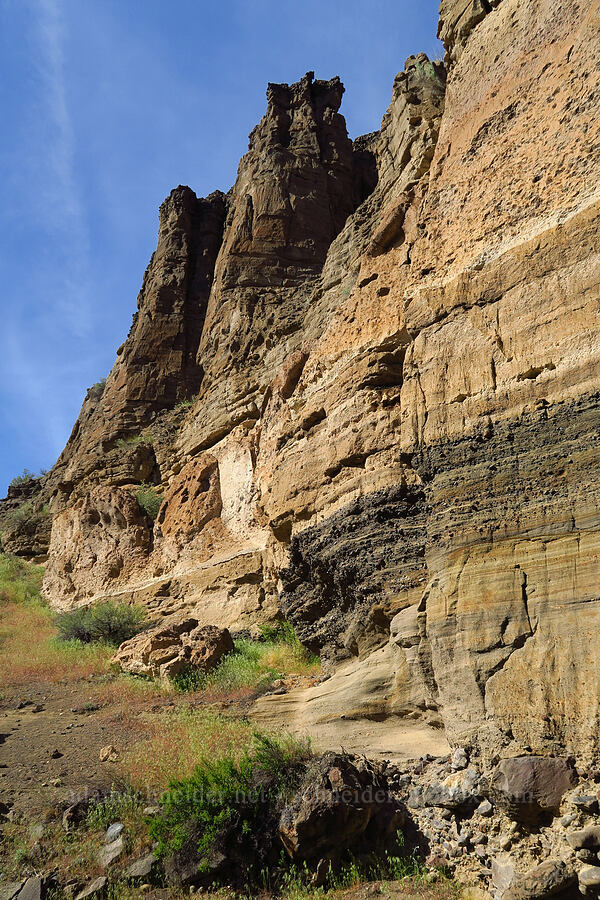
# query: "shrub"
[[149, 500], [231, 807], [23, 478], [105, 623]]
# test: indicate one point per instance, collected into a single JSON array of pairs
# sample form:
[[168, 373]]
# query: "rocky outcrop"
[[170, 649], [25, 520], [366, 387], [156, 367]]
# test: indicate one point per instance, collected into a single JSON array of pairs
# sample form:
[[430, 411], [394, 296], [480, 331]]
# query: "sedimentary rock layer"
[[366, 385]]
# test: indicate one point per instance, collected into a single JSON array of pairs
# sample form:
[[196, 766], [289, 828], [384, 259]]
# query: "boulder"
[[169, 649], [141, 868], [546, 880], [586, 839], [33, 889], [110, 853], [95, 889], [113, 832], [343, 799], [530, 788], [503, 872], [10, 890]]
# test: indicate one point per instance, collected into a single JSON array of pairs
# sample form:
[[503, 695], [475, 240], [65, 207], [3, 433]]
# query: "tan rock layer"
[[398, 408]]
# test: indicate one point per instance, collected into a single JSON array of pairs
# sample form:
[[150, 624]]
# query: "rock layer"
[[394, 348]]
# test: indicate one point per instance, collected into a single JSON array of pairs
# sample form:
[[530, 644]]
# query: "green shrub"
[[231, 807], [104, 623], [149, 499], [23, 478]]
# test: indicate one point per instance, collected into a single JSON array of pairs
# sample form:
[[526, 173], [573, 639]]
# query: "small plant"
[[144, 437], [96, 391], [186, 404], [149, 500], [106, 623]]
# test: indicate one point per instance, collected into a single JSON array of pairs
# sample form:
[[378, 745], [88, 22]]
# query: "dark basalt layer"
[[369, 554]]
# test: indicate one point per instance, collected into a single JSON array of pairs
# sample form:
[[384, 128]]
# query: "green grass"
[[29, 648], [19, 581], [149, 500], [144, 437], [254, 664]]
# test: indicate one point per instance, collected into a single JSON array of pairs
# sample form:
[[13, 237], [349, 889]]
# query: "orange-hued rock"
[[366, 385]]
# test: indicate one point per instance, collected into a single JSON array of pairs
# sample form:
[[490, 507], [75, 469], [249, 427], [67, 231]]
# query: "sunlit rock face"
[[366, 385]]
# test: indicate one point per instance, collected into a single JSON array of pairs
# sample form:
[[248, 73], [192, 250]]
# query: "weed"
[[149, 500], [175, 741], [118, 806], [144, 437], [186, 404]]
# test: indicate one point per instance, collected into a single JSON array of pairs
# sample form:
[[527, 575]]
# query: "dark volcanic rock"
[[342, 800], [530, 788], [359, 557]]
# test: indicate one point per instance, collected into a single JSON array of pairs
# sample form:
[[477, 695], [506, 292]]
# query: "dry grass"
[[286, 659], [175, 743], [29, 650]]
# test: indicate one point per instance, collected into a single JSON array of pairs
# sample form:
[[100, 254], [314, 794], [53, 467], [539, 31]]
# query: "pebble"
[[485, 808], [567, 820], [587, 802], [590, 877], [460, 760]]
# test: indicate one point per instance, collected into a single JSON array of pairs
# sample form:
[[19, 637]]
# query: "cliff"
[[365, 383]]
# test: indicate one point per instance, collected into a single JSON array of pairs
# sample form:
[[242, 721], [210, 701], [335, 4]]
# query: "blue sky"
[[107, 105]]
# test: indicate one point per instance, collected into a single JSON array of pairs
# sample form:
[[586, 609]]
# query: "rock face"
[[366, 386]]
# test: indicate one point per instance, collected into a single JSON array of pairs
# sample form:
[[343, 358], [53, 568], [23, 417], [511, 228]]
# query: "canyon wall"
[[366, 384]]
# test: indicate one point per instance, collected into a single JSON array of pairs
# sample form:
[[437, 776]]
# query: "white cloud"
[[61, 209]]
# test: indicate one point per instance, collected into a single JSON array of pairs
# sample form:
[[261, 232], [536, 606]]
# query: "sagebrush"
[[105, 623]]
